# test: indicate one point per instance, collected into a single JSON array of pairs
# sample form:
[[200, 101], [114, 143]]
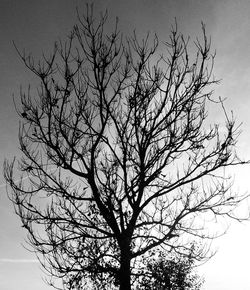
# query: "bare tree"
[[118, 156]]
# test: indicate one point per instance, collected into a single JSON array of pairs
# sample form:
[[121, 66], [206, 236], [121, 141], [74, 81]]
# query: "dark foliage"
[[165, 272]]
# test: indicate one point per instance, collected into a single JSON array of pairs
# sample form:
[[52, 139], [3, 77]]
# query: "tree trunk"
[[125, 272]]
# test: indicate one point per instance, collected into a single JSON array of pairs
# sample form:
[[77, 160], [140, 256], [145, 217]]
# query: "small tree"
[[118, 156], [165, 272]]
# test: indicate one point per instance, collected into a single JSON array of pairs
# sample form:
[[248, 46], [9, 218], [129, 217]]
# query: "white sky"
[[34, 25]]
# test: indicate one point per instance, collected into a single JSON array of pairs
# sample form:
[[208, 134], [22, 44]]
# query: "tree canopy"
[[166, 272], [119, 158]]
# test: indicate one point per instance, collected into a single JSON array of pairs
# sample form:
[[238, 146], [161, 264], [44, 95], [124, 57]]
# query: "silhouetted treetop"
[[119, 158]]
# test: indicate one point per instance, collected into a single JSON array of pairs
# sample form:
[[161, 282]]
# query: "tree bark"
[[125, 272]]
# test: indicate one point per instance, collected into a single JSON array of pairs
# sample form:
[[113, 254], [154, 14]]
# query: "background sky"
[[36, 24]]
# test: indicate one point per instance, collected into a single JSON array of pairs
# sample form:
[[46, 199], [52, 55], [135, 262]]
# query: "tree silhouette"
[[118, 156], [165, 272]]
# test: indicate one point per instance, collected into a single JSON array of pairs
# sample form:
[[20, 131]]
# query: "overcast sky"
[[36, 24]]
